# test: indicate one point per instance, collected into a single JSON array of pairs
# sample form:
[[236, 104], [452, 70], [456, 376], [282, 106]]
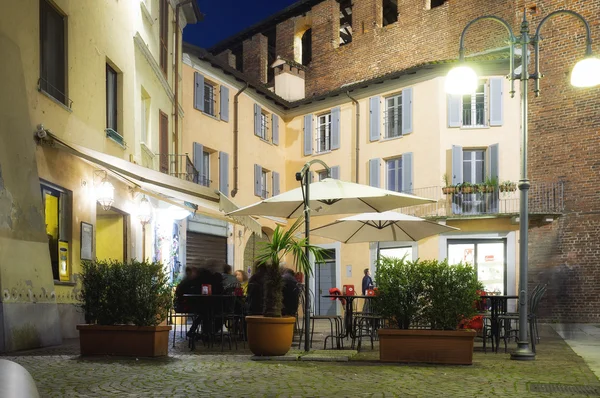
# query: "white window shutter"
[[308, 134], [407, 172], [335, 128], [224, 103], [257, 180], [275, 127], [374, 118], [374, 165], [493, 162], [454, 116], [257, 113], [335, 172], [275, 188], [198, 91], [198, 160], [496, 98], [407, 111], [457, 165], [224, 173]]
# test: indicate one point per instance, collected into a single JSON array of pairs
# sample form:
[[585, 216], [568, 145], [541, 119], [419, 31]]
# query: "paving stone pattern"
[[61, 372]]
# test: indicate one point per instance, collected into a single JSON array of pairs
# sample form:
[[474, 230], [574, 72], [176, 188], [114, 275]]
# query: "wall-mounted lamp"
[[145, 211], [105, 191]]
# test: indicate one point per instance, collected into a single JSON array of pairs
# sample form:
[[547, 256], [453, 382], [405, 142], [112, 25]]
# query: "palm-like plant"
[[281, 244]]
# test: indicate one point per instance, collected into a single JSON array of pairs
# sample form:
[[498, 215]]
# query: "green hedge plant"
[[425, 293], [125, 293]]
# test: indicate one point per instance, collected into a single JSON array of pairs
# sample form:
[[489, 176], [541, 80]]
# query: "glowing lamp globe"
[[586, 73], [461, 80], [105, 194], [145, 211]]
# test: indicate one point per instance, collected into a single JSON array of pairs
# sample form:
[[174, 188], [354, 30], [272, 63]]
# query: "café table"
[[209, 307], [349, 317], [498, 306]]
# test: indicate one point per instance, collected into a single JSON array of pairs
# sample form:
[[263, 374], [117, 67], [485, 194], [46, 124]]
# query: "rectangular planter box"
[[427, 346], [124, 340]]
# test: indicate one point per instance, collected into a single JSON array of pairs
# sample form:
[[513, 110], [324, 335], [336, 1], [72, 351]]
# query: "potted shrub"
[[432, 296], [271, 334], [447, 189], [508, 186], [466, 187], [124, 304], [490, 184]]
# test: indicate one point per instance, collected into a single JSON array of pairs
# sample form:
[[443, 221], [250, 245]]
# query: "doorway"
[[488, 256], [111, 234], [325, 279]]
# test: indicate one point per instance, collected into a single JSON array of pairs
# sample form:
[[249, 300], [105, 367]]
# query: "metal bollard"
[[15, 381]]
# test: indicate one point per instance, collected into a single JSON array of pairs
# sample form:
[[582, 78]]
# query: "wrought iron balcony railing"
[[179, 166], [544, 198]]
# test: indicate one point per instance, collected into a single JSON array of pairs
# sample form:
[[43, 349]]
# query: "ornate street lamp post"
[[463, 80]]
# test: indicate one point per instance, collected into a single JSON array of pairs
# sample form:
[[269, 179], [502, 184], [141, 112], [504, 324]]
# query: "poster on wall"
[[87, 234], [469, 257]]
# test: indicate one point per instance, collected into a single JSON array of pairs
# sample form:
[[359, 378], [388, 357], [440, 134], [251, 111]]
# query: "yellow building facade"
[[86, 88], [408, 136]]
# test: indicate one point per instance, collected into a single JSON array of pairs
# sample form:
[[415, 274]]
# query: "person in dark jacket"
[[256, 291], [291, 293], [228, 278], [188, 285], [367, 282]]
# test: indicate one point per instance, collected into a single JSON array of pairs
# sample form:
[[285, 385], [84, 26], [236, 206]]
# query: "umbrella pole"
[[307, 251]]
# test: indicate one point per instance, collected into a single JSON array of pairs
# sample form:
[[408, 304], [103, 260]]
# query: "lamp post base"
[[523, 353]]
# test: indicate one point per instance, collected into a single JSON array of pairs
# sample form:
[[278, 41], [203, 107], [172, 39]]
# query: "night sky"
[[224, 18]]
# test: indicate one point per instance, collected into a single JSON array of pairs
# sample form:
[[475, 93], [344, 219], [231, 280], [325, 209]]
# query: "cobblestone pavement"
[[59, 371]]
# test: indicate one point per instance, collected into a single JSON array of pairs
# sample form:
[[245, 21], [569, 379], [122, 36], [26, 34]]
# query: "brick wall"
[[285, 39], [227, 57], [256, 57]]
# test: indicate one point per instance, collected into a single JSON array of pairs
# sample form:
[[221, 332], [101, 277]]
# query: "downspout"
[[236, 123], [176, 82], [357, 165]]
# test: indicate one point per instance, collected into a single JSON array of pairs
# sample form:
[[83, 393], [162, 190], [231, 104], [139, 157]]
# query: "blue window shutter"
[[407, 111], [335, 128], [198, 160], [257, 113], [375, 118], [308, 135], [374, 172], [496, 113], [454, 119], [275, 127], [198, 91], [335, 172], [407, 172], [457, 164], [257, 180], [224, 103], [275, 189], [224, 173], [493, 161]]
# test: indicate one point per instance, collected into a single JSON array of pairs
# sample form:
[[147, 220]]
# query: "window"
[[393, 116], [322, 175], [474, 107], [164, 35], [345, 21], [436, 3], [53, 52], [111, 98], [307, 47], [394, 174], [324, 133], [209, 99], [145, 118], [163, 142], [264, 125], [390, 12], [57, 217], [263, 184], [205, 176], [474, 166]]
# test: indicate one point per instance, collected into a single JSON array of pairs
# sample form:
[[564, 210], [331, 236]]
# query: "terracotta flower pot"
[[453, 347], [270, 336], [124, 340]]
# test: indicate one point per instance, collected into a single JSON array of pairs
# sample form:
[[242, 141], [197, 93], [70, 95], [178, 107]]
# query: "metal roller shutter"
[[200, 247]]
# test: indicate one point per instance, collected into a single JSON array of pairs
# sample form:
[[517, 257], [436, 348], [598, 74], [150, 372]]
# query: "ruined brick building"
[[339, 43]]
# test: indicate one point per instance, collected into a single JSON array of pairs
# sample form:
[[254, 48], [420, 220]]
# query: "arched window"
[[307, 47]]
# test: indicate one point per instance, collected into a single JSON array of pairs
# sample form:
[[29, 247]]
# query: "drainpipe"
[[176, 81], [357, 132], [236, 123]]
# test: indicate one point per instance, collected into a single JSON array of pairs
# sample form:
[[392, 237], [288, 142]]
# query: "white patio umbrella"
[[380, 227], [331, 196]]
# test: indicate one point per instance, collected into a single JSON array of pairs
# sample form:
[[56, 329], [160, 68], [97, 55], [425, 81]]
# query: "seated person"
[[291, 293], [208, 274], [228, 278], [256, 291], [188, 285], [242, 278]]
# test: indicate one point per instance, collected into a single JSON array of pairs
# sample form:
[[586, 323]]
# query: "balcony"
[[545, 198], [179, 166]]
